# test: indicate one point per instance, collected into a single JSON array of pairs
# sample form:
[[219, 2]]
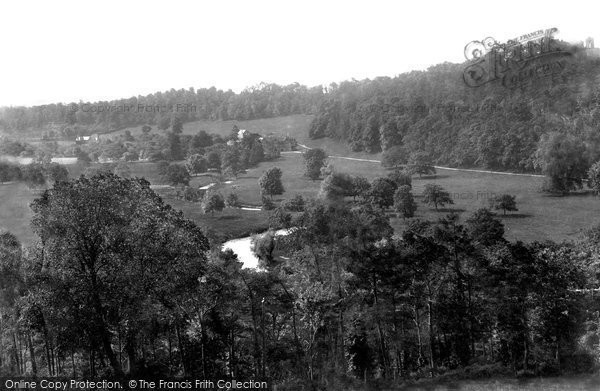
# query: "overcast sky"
[[64, 51]]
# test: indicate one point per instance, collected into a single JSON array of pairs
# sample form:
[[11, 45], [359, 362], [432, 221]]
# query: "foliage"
[[336, 186], [295, 204], [177, 174], [404, 202], [314, 159], [192, 194], [9, 172], [232, 200], [261, 101], [33, 175], [213, 160], [262, 246], [102, 254], [270, 182], [196, 164], [393, 157], [382, 192], [504, 202], [593, 177], [401, 178], [267, 203], [230, 161], [360, 186], [563, 159], [212, 202], [484, 228], [436, 195], [420, 163]]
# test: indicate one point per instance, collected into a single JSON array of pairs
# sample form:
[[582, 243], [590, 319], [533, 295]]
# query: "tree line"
[[494, 127], [161, 109]]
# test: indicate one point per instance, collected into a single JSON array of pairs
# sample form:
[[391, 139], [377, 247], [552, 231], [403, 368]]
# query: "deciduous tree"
[[270, 182], [436, 195], [504, 202], [314, 159], [404, 202]]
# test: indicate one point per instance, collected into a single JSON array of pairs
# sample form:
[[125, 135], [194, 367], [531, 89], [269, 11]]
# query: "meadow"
[[294, 125], [540, 216]]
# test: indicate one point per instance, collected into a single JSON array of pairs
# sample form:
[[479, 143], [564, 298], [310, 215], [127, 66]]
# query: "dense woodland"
[[118, 282], [66, 121], [489, 126]]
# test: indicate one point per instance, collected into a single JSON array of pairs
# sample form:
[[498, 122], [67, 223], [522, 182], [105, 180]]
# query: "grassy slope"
[[293, 125]]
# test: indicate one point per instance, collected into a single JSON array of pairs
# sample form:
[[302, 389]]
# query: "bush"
[[394, 157], [196, 164], [232, 201], [192, 194], [177, 174], [212, 202], [295, 204], [267, 204], [9, 172]]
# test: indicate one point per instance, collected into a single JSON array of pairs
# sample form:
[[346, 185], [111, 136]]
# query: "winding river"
[[242, 248]]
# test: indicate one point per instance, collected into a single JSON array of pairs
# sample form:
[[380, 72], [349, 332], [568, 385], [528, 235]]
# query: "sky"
[[71, 51]]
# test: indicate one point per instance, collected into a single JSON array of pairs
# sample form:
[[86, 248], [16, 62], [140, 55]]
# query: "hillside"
[[161, 109], [495, 125]]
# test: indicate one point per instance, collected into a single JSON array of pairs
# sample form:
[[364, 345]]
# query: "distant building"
[[86, 139]]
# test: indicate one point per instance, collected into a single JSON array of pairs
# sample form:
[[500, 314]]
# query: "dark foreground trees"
[[120, 282], [111, 257]]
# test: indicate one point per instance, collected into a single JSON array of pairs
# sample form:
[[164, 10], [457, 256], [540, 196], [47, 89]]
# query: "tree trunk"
[[383, 352], [16, 353], [104, 332], [72, 363], [130, 349], [232, 370], [431, 339], [254, 332], [202, 342], [170, 350], [419, 340], [31, 354], [181, 353]]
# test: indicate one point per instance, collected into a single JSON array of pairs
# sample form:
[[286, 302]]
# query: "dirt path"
[[438, 167]]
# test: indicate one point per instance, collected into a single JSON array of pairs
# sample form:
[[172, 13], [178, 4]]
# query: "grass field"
[[15, 213], [294, 125], [539, 217]]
